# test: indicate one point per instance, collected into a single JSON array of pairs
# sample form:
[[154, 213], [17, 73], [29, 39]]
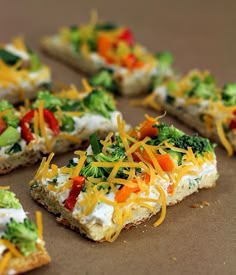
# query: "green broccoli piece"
[[50, 101], [166, 132], [229, 94], [8, 57], [68, 124], [35, 63], [11, 120], [90, 170], [198, 144], [202, 88], [22, 234], [105, 80], [8, 200], [100, 102], [95, 143], [105, 26], [75, 37], [5, 105], [165, 60], [9, 117], [176, 156]]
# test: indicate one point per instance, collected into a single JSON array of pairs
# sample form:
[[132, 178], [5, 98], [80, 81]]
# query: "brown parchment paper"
[[201, 34]]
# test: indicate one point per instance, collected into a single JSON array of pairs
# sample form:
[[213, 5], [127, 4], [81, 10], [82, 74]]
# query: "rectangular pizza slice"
[[21, 242], [21, 72], [200, 103], [125, 179], [53, 123], [102, 45]]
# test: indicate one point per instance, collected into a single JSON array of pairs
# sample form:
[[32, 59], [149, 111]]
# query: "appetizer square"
[[53, 123], [125, 179], [21, 72], [102, 45], [21, 243], [200, 103]]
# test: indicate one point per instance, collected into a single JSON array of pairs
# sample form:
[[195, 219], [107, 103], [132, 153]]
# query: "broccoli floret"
[[166, 132], [105, 80], [68, 124], [8, 200], [35, 63], [9, 117], [165, 60], [22, 234], [90, 170], [202, 88], [229, 94], [198, 144], [5, 105], [75, 37], [49, 101], [11, 120], [71, 163], [100, 102], [105, 26], [8, 57], [176, 156]]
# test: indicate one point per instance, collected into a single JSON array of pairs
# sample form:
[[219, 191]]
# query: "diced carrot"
[[170, 189], [3, 125], [138, 64], [145, 129], [125, 191], [165, 162], [104, 46]]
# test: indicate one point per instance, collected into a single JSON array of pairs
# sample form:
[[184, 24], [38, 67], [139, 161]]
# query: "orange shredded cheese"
[[11, 247], [222, 136], [4, 261], [39, 223]]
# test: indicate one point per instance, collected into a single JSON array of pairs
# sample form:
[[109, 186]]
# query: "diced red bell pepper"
[[77, 186], [232, 124], [27, 118], [127, 36], [3, 125]]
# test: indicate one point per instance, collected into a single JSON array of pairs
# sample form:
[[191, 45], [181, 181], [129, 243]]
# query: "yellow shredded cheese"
[[39, 223], [4, 261], [222, 136], [11, 247]]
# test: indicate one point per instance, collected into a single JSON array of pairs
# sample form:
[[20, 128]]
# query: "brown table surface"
[[201, 34]]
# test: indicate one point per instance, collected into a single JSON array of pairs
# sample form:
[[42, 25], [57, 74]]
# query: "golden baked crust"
[[27, 263]]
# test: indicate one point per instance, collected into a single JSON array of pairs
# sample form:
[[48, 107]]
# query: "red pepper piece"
[[52, 121], [127, 36], [3, 125], [78, 183], [27, 118], [25, 130], [232, 124]]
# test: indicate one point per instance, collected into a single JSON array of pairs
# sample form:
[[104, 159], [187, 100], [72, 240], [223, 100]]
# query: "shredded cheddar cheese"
[[39, 224], [4, 261], [11, 248], [149, 180]]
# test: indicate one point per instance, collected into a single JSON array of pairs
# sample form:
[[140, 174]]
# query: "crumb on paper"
[[174, 259], [125, 241], [200, 204]]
